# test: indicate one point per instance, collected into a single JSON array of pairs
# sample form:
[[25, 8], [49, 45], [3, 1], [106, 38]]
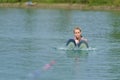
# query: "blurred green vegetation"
[[89, 2]]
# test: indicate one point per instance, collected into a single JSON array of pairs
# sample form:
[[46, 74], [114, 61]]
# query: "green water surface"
[[29, 38]]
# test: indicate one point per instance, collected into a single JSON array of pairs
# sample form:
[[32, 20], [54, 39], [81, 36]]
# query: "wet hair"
[[77, 28]]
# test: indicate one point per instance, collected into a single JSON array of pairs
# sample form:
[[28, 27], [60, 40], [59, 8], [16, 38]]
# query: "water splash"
[[77, 49]]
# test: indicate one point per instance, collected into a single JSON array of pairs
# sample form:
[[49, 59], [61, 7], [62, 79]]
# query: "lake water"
[[31, 38]]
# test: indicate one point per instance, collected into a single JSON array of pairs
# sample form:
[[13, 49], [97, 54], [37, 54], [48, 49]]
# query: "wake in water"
[[77, 49]]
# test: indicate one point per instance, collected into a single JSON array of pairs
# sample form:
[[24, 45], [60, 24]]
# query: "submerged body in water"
[[78, 41]]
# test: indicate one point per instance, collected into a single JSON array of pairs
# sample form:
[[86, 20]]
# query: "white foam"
[[86, 49]]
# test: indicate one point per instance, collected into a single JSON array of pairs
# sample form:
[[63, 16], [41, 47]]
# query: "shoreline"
[[58, 6]]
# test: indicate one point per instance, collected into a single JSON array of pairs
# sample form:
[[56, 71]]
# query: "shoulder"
[[70, 40], [84, 39]]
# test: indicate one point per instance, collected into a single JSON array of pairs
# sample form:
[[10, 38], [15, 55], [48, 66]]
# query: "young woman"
[[78, 39]]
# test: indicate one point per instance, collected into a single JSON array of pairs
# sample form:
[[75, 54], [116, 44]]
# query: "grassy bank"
[[88, 2], [66, 4], [61, 6]]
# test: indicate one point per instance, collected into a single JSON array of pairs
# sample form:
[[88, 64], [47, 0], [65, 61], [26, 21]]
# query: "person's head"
[[77, 32]]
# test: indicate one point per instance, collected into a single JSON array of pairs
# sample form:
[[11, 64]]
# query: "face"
[[77, 33]]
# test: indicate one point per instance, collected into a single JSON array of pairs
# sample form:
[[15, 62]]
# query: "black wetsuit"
[[77, 45]]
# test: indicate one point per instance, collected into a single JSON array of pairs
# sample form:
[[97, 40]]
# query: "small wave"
[[91, 49], [86, 49]]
